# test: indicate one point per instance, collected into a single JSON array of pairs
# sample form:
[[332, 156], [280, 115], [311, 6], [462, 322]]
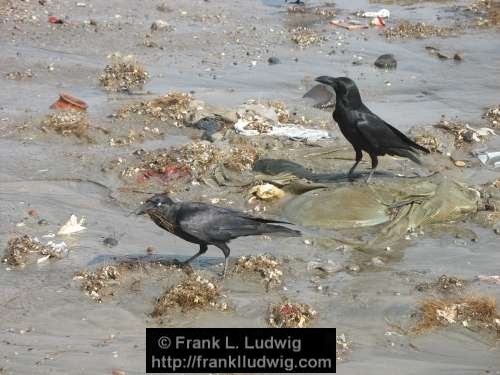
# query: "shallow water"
[[49, 326]]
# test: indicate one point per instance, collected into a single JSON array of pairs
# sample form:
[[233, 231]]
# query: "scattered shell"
[[417, 30], [267, 192], [19, 76], [493, 115], [161, 25], [72, 226], [460, 163], [96, 284], [303, 36]]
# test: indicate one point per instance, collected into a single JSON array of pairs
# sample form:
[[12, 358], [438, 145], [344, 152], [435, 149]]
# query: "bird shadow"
[[277, 166], [166, 260]]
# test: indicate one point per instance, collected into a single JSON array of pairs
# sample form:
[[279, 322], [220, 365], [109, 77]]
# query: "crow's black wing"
[[383, 137], [218, 224]]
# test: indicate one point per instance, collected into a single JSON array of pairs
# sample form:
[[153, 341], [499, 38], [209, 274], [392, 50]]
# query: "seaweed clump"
[[21, 247], [173, 107], [291, 315], [67, 123], [193, 293], [266, 266], [123, 73], [476, 312]]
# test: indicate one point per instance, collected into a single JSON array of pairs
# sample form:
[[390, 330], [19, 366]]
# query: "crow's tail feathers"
[[405, 153], [278, 229]]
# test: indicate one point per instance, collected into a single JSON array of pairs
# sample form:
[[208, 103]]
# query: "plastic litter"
[[72, 226], [382, 13], [290, 131], [490, 159], [349, 26]]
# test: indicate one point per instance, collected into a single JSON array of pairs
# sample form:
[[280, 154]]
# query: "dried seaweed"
[[477, 312]]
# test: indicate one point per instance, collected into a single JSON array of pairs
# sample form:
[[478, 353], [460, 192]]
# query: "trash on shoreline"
[[384, 13], [291, 315], [477, 312], [349, 25], [266, 192], [257, 119], [72, 226], [464, 133], [69, 102], [268, 267], [490, 159], [192, 293], [123, 73], [72, 122], [21, 247]]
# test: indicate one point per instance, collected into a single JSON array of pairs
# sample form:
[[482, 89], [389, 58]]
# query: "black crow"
[[364, 129], [206, 224]]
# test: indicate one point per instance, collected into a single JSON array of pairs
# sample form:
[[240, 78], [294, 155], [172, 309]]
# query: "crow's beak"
[[144, 208], [326, 80]]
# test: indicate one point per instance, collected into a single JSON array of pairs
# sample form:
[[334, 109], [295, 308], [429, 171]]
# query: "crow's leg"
[[374, 167], [225, 249], [203, 249], [359, 156]]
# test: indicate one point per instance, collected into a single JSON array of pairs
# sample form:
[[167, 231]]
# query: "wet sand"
[[49, 326]]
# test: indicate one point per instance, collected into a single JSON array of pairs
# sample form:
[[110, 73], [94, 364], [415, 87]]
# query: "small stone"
[[160, 25], [43, 222], [458, 56], [460, 163], [353, 268], [386, 61], [110, 241], [273, 60], [377, 261]]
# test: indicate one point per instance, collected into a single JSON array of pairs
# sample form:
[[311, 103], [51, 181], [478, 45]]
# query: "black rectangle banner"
[[240, 350]]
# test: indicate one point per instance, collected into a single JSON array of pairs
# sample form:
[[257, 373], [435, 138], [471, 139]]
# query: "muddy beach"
[[204, 100]]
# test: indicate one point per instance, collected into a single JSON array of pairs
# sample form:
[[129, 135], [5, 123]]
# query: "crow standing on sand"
[[364, 129], [206, 224]]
